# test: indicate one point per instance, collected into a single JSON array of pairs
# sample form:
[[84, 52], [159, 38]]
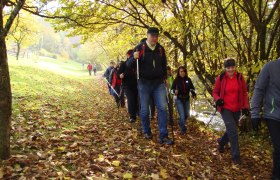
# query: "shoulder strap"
[[143, 48], [222, 76]]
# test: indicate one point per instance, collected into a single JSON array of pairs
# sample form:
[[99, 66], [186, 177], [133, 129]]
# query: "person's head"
[[112, 64], [169, 73], [129, 53], [152, 35], [181, 72], [229, 64], [117, 65]]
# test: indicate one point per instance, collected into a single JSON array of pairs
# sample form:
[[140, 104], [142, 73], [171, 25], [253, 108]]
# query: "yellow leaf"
[[189, 178], [116, 163], [1, 173], [100, 158], [155, 176], [164, 174], [17, 167], [61, 148], [127, 175]]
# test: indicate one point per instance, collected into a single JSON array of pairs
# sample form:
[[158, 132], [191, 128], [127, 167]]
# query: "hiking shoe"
[[132, 120], [236, 161], [148, 136], [183, 132], [220, 148], [166, 141]]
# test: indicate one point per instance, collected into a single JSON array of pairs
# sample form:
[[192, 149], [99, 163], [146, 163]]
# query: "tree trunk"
[[5, 102], [18, 50]]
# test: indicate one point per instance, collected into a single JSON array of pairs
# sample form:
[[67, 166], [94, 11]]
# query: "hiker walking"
[[89, 68], [116, 83], [231, 96], [181, 87], [94, 69], [152, 73], [107, 74], [170, 78], [267, 92], [129, 85]]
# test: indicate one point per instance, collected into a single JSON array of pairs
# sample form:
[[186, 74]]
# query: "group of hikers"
[[91, 68], [147, 81]]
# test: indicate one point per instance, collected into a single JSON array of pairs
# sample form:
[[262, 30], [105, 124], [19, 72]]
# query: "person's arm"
[[164, 63], [259, 91], [121, 70], [110, 79], [217, 88], [106, 73], [173, 87], [192, 89]]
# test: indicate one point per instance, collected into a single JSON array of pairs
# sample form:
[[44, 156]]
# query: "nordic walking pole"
[[170, 111], [212, 117], [137, 72], [112, 88]]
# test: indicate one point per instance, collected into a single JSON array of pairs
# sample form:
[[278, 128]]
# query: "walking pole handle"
[[137, 64]]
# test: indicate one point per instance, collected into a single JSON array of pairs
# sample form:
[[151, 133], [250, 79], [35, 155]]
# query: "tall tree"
[[9, 9], [5, 86]]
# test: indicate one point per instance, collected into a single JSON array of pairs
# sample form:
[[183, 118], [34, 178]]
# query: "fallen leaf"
[[116, 163], [1, 173], [154, 176], [164, 174], [127, 175]]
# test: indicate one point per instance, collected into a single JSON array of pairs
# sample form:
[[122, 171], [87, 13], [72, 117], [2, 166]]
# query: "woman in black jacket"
[[181, 87]]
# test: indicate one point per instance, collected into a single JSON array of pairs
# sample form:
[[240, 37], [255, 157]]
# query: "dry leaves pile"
[[83, 136]]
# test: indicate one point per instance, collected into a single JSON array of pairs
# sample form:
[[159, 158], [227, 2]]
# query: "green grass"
[[48, 91]]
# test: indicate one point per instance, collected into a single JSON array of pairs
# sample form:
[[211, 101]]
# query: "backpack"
[[143, 49]]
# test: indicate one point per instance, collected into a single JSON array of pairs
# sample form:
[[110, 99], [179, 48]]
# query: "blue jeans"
[[183, 108], [231, 135], [155, 89], [274, 127]]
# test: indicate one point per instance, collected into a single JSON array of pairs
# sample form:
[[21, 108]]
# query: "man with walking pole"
[[151, 68]]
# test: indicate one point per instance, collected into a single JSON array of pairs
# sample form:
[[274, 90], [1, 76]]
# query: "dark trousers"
[[274, 130], [132, 101], [231, 134], [119, 99]]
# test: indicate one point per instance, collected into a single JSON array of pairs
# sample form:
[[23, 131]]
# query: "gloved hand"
[[246, 111], [256, 123], [194, 95], [219, 102]]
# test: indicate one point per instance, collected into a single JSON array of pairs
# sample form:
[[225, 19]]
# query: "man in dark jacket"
[[108, 72], [129, 85], [152, 74], [267, 90]]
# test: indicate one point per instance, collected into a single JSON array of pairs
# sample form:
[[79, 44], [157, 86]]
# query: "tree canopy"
[[201, 32]]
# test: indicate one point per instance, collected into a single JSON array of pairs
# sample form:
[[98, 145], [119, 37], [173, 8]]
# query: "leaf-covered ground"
[[69, 128]]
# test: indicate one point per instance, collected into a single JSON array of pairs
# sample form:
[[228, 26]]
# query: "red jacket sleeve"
[[217, 88]]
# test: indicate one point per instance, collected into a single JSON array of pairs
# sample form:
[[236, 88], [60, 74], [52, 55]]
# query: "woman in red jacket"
[[231, 96]]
